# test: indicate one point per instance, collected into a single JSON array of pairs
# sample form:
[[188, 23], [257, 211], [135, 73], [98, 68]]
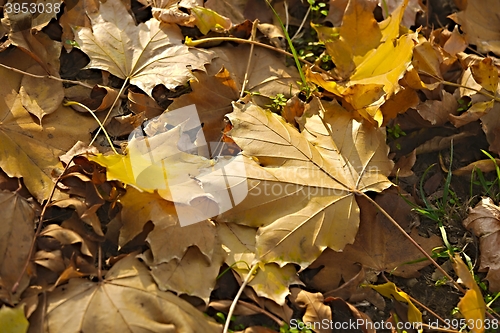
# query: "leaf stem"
[[389, 217], [47, 77], [195, 43], [237, 297], [108, 114], [68, 103]]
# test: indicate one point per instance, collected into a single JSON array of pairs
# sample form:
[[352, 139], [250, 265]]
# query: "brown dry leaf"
[[52, 260], [68, 237], [85, 213], [214, 92], [138, 209], [201, 235], [452, 42], [486, 74], [173, 11], [294, 108], [40, 47], [159, 57], [270, 281], [426, 59], [485, 166], [333, 269], [403, 167], [269, 75], [476, 111], [193, 274], [472, 305], [438, 112], [350, 314], [484, 222], [40, 96], [75, 16], [27, 149], [383, 248], [378, 246], [336, 11], [212, 96], [233, 9], [124, 125], [316, 311], [398, 103], [482, 106], [139, 102], [480, 24], [127, 300], [299, 181], [16, 233]]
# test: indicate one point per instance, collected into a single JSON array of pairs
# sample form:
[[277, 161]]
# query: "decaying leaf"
[[127, 300], [16, 234], [157, 56], [316, 311], [40, 96], [27, 149], [484, 222], [480, 25], [271, 281], [192, 274]]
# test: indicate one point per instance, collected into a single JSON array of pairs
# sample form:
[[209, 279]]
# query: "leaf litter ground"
[[104, 220]]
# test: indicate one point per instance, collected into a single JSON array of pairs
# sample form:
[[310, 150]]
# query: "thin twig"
[[47, 77], [197, 42], [459, 287], [249, 62], [302, 23], [109, 113], [237, 297]]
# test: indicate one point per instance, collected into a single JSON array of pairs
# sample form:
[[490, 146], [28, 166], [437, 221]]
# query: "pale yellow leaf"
[[301, 181], [149, 54], [13, 320], [472, 305]]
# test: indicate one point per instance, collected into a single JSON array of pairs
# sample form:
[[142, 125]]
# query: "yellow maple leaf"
[[370, 57]]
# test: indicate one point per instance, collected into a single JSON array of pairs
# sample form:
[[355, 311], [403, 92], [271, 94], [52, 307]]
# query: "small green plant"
[[278, 103], [488, 186], [395, 132], [463, 104], [221, 318], [318, 8], [305, 85]]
